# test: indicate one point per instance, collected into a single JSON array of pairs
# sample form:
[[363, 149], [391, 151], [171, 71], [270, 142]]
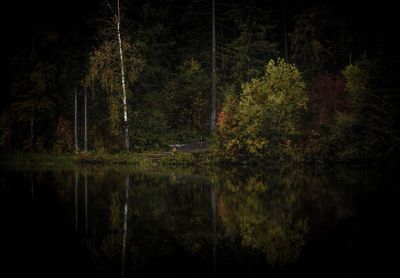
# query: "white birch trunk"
[[124, 102]]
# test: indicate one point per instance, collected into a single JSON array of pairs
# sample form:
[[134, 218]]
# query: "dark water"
[[104, 222]]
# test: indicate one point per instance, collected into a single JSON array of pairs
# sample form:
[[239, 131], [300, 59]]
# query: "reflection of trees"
[[112, 249], [155, 218], [262, 211], [267, 212], [172, 213], [227, 217]]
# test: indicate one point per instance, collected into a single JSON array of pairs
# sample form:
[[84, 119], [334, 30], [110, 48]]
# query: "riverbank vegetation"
[[131, 80], [147, 160]]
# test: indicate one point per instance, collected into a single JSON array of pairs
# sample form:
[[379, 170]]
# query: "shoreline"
[[153, 160]]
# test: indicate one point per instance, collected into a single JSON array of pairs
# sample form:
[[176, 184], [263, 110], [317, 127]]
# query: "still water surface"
[[123, 222]]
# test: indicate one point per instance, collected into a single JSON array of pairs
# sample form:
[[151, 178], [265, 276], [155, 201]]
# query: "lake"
[[125, 222]]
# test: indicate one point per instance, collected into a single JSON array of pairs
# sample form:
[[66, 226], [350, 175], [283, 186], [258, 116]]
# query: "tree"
[[326, 97], [318, 42], [102, 58], [188, 100], [270, 111], [64, 138], [228, 125], [113, 68], [251, 44], [33, 101]]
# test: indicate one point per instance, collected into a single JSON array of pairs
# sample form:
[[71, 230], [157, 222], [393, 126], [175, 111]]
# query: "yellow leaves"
[[192, 65], [269, 109], [115, 115], [277, 98], [104, 66], [256, 146], [104, 75], [256, 185], [52, 36], [356, 79], [222, 119]]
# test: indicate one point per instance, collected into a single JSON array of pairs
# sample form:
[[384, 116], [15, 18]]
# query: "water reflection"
[[214, 230], [125, 224], [166, 215], [196, 223], [76, 200], [264, 215], [86, 201]]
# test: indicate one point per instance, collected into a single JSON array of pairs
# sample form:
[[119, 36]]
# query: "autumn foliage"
[[64, 136], [326, 96]]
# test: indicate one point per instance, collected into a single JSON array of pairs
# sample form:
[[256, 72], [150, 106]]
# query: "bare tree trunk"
[[214, 77], [85, 120], [121, 56], [76, 122], [285, 33]]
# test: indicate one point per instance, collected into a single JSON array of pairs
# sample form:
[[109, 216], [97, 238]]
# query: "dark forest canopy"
[[328, 70]]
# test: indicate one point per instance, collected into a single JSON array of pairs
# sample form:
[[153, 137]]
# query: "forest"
[[259, 80]]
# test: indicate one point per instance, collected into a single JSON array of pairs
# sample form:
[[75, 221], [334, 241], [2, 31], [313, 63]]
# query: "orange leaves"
[[64, 137]]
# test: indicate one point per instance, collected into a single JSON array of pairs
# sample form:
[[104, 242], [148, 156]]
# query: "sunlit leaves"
[[261, 213], [270, 109], [356, 81], [104, 73]]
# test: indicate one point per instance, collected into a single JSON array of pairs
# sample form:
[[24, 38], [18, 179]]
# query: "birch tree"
[[121, 57], [113, 66]]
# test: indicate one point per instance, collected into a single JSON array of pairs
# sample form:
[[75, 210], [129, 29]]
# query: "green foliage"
[[187, 101], [228, 125], [261, 110], [356, 77], [318, 42], [367, 131], [274, 229], [36, 90], [252, 44], [269, 113], [104, 74], [150, 130]]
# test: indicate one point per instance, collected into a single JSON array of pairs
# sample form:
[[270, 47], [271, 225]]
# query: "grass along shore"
[[147, 159]]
